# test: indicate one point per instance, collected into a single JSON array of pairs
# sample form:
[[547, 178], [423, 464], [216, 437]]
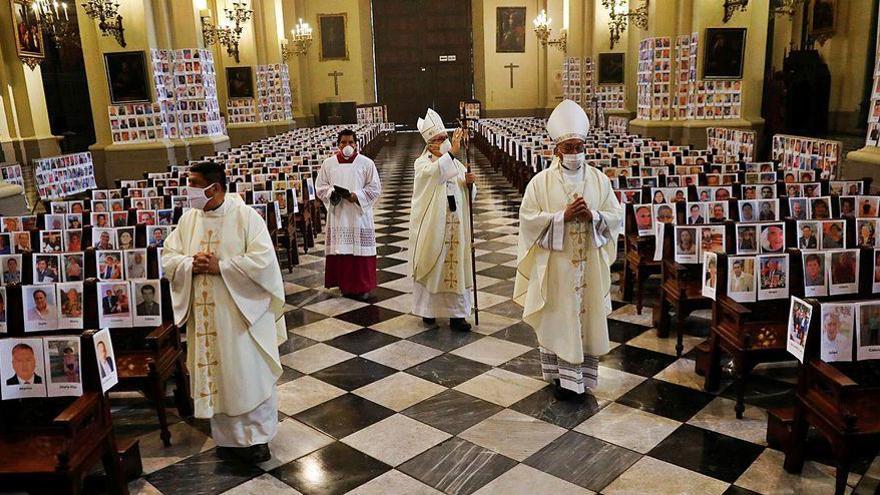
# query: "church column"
[[120, 160], [25, 133], [297, 65]]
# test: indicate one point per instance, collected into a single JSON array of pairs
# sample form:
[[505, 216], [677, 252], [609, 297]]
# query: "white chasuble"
[[439, 239], [234, 321], [350, 227], [563, 278]]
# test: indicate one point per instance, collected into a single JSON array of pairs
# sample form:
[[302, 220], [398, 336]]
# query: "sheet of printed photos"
[[611, 96], [241, 110], [654, 79], [731, 145], [374, 113], [617, 124], [11, 174], [873, 136], [468, 109], [274, 100], [806, 153], [573, 79], [64, 175]]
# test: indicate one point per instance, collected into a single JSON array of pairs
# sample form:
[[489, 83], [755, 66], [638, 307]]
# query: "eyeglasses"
[[572, 148]]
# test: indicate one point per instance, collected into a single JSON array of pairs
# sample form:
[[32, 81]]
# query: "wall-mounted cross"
[[335, 75], [511, 66]]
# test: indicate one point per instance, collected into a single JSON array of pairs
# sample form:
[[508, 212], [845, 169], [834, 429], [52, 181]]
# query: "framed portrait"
[[823, 18], [611, 67], [127, 77], [331, 31], [724, 53], [510, 30], [28, 35], [240, 82]]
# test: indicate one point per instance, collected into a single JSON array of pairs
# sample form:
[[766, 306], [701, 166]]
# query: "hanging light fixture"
[[302, 40], [106, 12], [732, 6], [785, 7], [542, 31], [54, 21], [228, 34], [619, 20]]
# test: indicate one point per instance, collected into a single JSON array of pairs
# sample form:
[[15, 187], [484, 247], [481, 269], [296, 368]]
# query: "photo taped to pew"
[[40, 308], [799, 317], [868, 330], [22, 368], [106, 359], [114, 307], [741, 278], [837, 332], [63, 365], [70, 304], [772, 276]]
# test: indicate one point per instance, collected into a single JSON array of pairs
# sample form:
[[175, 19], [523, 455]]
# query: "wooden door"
[[411, 38]]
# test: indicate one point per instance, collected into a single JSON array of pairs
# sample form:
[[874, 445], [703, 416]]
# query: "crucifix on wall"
[[511, 66], [335, 75]]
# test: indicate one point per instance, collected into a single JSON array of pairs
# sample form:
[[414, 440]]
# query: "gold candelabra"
[[619, 20], [228, 34], [542, 31], [301, 36], [106, 12], [54, 20]]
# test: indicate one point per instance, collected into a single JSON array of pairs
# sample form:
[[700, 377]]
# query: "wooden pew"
[[638, 262], [49, 445]]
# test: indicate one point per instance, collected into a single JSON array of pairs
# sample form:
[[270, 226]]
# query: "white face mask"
[[445, 146], [198, 197], [348, 151], [573, 162]]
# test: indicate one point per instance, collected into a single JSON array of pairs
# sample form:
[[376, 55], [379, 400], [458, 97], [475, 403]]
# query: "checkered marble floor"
[[374, 402]]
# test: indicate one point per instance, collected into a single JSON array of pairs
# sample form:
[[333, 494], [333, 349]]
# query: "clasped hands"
[[577, 210], [206, 264]]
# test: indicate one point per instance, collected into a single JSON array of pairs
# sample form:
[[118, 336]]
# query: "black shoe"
[[563, 394], [226, 453], [358, 297], [256, 454], [429, 321], [459, 325]]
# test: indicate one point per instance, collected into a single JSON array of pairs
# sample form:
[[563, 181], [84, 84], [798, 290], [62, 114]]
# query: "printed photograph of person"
[[22, 241], [136, 264], [773, 276], [747, 239], [125, 238], [741, 279], [148, 302], [833, 234], [156, 235], [696, 213], [807, 235], [146, 217], [820, 208], [53, 222], [164, 217], [2, 310], [644, 219], [70, 296], [63, 366], [768, 192], [5, 243], [73, 240], [867, 232], [73, 267], [109, 265], [22, 368], [767, 210], [100, 220], [837, 332], [876, 270], [718, 212], [659, 197], [115, 300], [103, 239], [46, 268], [747, 211], [664, 214], [847, 207], [772, 238], [868, 330], [40, 309], [119, 218], [11, 224], [798, 208], [106, 359], [710, 275], [868, 206], [798, 327], [844, 272], [686, 245], [815, 278], [11, 267], [722, 194]]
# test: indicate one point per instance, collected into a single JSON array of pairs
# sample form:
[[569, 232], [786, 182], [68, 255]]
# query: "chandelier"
[[54, 21], [785, 7], [618, 21], [228, 34], [543, 30], [106, 12], [302, 39], [731, 6]]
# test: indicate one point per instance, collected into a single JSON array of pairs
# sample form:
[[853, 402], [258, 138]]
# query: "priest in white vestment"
[[226, 288], [439, 232], [569, 223], [348, 184]]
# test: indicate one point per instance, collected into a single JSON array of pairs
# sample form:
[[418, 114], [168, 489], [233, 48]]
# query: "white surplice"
[[234, 321], [563, 278], [439, 239], [350, 227]]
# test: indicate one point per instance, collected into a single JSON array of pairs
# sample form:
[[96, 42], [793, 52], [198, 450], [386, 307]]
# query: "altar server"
[[348, 184], [440, 234], [569, 223]]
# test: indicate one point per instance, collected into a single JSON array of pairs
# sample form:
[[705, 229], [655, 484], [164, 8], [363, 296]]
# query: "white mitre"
[[568, 121], [431, 126]]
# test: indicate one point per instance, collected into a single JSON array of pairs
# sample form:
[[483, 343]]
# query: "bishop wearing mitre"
[[569, 222], [439, 233], [226, 288]]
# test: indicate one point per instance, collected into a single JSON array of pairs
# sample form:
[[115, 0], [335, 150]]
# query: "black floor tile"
[[520, 333], [202, 474], [334, 469], [636, 360], [500, 272], [354, 373], [301, 317], [444, 339], [622, 331], [366, 316], [343, 415], [528, 364], [666, 399], [706, 452], [457, 466], [383, 263], [452, 411], [448, 370], [567, 414], [508, 309], [362, 341]]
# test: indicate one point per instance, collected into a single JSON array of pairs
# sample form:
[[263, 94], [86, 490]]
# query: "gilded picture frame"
[[29, 42], [332, 36]]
